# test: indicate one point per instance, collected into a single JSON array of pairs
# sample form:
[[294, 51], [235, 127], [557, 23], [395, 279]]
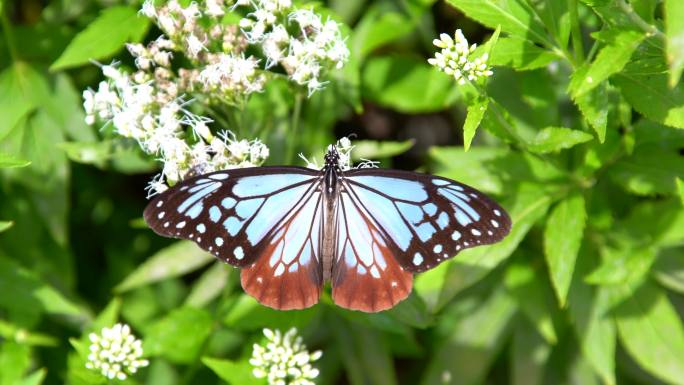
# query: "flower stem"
[[294, 127]]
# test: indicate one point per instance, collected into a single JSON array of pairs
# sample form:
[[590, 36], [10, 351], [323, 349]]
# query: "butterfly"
[[292, 229]]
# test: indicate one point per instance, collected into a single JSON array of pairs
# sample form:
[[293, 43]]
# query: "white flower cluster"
[[314, 47], [151, 113], [115, 352], [454, 59], [284, 360]]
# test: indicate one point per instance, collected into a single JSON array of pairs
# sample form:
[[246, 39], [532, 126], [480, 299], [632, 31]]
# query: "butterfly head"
[[332, 157]]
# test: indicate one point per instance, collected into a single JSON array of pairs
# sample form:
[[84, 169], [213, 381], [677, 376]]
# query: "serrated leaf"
[[371, 149], [407, 84], [644, 84], [554, 139], [674, 30], [611, 59], [514, 17], [652, 332], [234, 373], [593, 106], [11, 161], [476, 112], [180, 258], [179, 335], [103, 37], [562, 240], [520, 54]]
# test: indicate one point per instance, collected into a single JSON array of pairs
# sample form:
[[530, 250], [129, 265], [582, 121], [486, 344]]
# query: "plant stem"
[[294, 127], [651, 30], [9, 35], [577, 45]]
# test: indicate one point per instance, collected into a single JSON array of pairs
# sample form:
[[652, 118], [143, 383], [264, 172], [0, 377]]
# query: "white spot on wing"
[[161, 215], [494, 223], [475, 232], [417, 259], [201, 228], [180, 225], [160, 203], [218, 241], [497, 213], [374, 272], [437, 249], [219, 176], [456, 235], [238, 252], [279, 270]]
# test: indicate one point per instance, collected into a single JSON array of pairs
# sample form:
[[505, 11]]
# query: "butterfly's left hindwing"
[[230, 213], [426, 219]]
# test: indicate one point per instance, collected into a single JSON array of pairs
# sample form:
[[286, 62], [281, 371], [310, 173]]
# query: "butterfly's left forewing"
[[426, 219], [266, 220]]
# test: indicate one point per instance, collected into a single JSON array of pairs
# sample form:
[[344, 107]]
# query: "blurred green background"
[[579, 136]]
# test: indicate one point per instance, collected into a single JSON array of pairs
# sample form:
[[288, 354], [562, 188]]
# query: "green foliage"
[[578, 134]]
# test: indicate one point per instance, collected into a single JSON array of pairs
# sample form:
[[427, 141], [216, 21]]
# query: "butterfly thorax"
[[331, 171]]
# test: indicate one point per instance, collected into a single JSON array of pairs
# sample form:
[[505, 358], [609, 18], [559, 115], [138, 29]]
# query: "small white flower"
[[284, 359], [148, 9], [115, 352], [453, 59], [195, 45]]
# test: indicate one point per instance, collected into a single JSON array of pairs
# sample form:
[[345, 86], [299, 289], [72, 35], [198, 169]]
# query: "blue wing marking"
[[400, 188], [266, 184]]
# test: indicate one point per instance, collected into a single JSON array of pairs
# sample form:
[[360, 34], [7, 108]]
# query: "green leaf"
[[103, 37], [626, 265], [595, 328], [179, 336], [26, 296], [593, 106], [514, 16], [407, 84], [248, 314], [644, 84], [473, 333], [529, 355], [562, 240], [520, 54], [476, 112], [643, 172], [471, 265], [674, 30], [371, 149], [15, 359], [378, 27], [23, 90], [365, 354], [525, 285], [180, 258], [652, 333], [4, 225], [556, 17], [209, 285], [611, 59], [234, 373], [35, 378], [555, 139], [95, 153], [680, 188], [11, 161]]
